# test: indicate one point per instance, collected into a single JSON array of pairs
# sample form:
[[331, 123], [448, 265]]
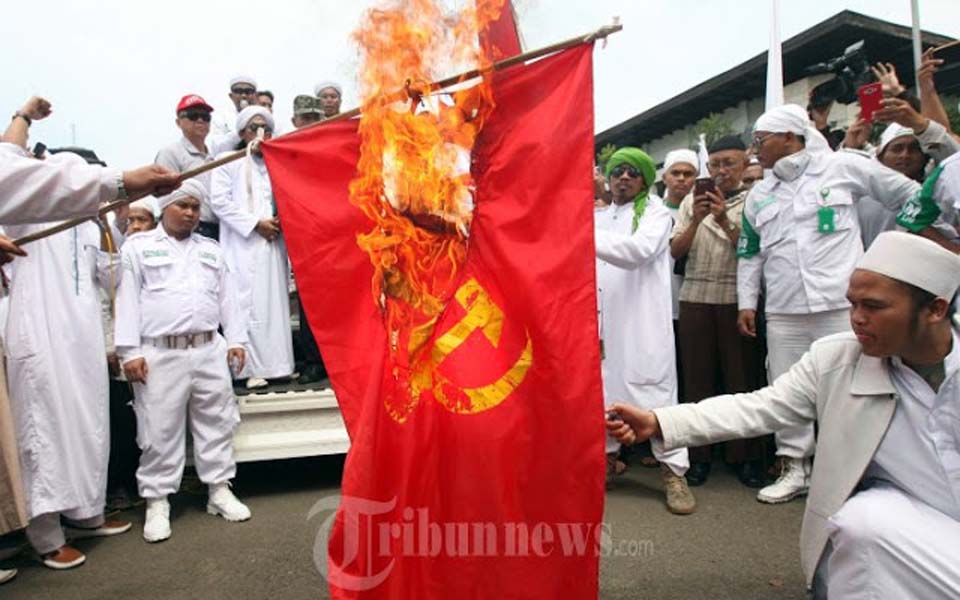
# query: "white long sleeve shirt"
[[169, 287], [805, 270], [920, 452], [61, 187]]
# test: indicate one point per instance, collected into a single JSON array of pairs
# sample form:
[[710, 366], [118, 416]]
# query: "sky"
[[115, 69]]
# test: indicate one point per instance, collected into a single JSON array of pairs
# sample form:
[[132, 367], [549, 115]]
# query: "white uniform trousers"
[[887, 544], [194, 385], [46, 533], [788, 339]]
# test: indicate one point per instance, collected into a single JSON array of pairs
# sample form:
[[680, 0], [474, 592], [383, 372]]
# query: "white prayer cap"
[[327, 84], [243, 79], [680, 156], [793, 119], [915, 260], [148, 204], [246, 115], [892, 132], [191, 188]]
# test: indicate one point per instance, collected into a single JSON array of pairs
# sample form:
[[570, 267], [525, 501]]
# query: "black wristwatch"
[[22, 116]]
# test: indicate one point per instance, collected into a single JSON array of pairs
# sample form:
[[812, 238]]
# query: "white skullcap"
[[793, 119], [148, 204], [327, 84], [243, 79], [191, 188], [681, 156], [892, 132], [915, 260], [246, 115]]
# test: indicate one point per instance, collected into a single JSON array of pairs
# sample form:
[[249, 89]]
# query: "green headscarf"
[[641, 161]]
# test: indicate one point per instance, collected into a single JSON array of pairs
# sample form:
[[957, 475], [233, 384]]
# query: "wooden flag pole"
[[599, 34]]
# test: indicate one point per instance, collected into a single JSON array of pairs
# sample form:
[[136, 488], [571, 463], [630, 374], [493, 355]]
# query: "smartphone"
[[703, 185], [870, 96]]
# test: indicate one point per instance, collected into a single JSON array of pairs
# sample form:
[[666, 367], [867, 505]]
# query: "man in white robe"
[[59, 388], [636, 324], [883, 516], [243, 93], [36, 191], [242, 198]]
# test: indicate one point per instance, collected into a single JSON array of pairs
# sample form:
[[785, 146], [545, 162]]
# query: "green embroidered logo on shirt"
[[766, 202], [209, 256], [153, 253]]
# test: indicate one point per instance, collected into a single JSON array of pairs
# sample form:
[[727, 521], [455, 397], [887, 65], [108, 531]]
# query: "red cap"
[[192, 100]]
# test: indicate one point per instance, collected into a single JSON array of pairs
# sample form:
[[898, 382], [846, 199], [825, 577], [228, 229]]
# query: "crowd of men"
[[187, 293], [840, 266], [756, 262]]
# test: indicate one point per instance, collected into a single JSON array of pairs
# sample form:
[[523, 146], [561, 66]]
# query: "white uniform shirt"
[[172, 288], [946, 192], [920, 453], [38, 191], [807, 271]]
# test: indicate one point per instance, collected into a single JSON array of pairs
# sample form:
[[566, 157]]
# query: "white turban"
[[246, 115], [148, 204], [191, 188], [681, 156], [792, 118], [892, 132], [915, 260], [327, 84], [243, 79]]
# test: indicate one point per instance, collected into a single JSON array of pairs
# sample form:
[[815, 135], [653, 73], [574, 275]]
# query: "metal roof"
[[884, 41]]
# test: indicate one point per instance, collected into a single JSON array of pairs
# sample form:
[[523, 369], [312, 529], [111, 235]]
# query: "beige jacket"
[[850, 394]]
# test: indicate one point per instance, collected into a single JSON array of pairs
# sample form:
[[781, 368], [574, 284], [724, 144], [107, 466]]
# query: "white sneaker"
[[7, 574], [794, 481], [222, 502], [255, 383], [156, 527]]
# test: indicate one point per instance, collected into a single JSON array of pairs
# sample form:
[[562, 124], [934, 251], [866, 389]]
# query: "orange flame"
[[413, 179]]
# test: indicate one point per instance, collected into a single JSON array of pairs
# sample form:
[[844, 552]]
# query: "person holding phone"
[[799, 242], [716, 358]]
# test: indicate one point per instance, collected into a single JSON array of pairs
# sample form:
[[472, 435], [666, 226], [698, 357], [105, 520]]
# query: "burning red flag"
[[454, 305]]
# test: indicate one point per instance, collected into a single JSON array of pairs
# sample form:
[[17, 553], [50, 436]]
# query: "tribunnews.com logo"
[[371, 541]]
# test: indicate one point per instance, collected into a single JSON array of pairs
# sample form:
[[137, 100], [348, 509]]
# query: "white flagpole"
[[917, 45], [775, 61]]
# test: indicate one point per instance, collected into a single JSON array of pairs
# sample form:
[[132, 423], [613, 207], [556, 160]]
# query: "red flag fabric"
[[501, 38], [504, 501]]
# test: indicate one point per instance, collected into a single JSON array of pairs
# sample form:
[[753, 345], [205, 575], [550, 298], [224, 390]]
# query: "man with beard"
[[633, 285], [883, 516]]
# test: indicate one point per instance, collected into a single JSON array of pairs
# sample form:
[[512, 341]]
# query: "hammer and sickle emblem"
[[485, 315]]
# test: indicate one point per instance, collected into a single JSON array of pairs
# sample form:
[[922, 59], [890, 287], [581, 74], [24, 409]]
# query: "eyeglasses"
[[729, 163], [619, 170], [196, 115], [244, 91], [255, 127], [759, 140]]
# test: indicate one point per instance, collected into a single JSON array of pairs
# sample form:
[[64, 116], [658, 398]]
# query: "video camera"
[[852, 71]]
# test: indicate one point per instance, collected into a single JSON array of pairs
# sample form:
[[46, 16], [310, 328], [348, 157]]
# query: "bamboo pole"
[[599, 34]]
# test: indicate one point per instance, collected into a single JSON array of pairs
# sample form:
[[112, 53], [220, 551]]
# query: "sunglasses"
[[198, 115], [257, 127], [244, 91], [621, 169]]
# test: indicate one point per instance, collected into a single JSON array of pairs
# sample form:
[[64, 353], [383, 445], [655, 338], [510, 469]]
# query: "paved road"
[[733, 547]]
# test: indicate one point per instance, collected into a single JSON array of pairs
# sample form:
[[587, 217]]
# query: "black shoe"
[[697, 474], [751, 474], [311, 374]]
